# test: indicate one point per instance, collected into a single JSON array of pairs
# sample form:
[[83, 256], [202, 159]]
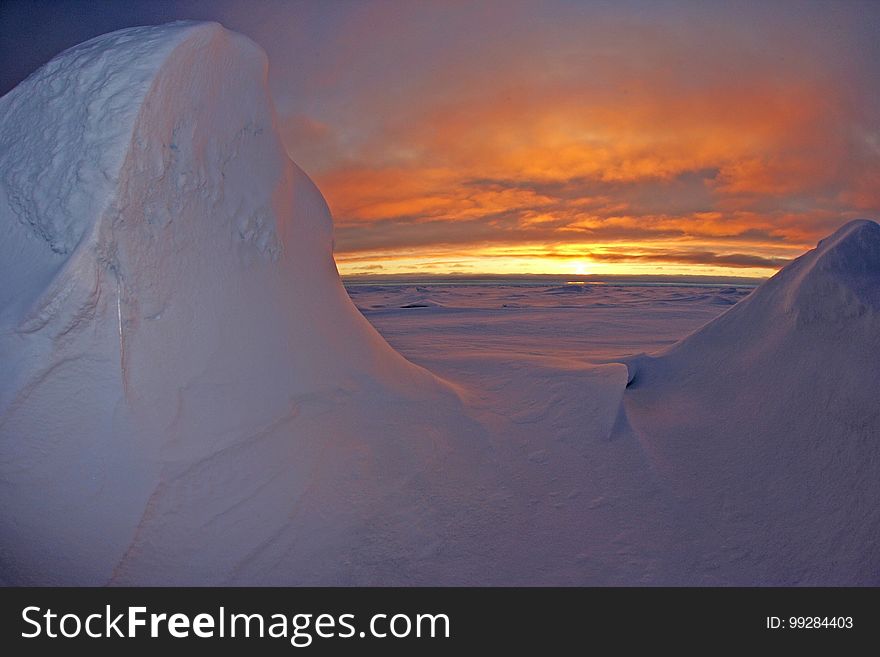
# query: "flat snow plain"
[[581, 500], [444, 326]]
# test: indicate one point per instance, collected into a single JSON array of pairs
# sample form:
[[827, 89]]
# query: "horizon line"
[[407, 276]]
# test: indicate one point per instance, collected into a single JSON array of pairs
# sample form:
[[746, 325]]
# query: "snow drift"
[[180, 360], [188, 396], [766, 421]]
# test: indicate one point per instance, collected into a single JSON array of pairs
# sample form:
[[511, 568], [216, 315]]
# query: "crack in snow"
[[121, 332]]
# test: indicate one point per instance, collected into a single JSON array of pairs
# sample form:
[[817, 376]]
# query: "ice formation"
[[169, 299], [769, 418]]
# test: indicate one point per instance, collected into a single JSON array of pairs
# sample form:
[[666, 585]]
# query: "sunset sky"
[[553, 137]]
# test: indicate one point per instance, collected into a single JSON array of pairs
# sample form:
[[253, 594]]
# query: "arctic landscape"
[[189, 395]]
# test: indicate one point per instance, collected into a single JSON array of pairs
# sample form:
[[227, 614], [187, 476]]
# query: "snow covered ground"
[[718, 480], [745, 457], [437, 325], [189, 396]]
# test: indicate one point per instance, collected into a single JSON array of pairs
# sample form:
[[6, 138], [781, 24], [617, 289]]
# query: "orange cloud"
[[625, 147]]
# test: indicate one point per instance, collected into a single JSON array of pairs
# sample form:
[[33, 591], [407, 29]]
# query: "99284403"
[[809, 623]]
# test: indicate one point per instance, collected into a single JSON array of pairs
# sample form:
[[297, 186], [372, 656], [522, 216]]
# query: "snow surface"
[[766, 423], [171, 319], [189, 396]]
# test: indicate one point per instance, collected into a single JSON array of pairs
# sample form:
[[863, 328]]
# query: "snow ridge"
[[767, 420], [168, 284], [74, 117]]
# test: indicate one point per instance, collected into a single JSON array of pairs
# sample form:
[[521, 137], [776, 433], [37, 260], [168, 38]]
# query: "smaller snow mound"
[[821, 293], [766, 419], [841, 276], [852, 250]]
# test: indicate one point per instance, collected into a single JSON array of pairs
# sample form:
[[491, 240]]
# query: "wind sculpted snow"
[[765, 423], [189, 396], [172, 321]]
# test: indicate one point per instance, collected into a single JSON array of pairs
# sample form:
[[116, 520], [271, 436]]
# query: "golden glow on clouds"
[[566, 258], [619, 148]]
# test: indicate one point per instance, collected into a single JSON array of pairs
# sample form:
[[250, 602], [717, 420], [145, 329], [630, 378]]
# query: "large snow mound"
[[173, 331], [768, 418]]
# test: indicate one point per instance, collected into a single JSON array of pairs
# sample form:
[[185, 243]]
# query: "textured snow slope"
[[767, 421], [188, 396], [168, 297]]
